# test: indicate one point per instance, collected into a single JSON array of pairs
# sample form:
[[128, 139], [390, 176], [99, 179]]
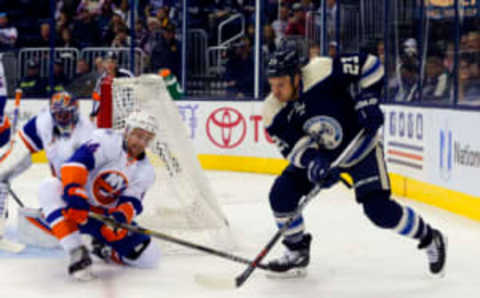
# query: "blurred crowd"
[[156, 29]]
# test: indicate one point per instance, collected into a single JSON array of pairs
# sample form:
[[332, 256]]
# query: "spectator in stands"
[[239, 69], [269, 40], [468, 85], [84, 81], [314, 51], [280, 24], [332, 49], [163, 17], [381, 51], [121, 39], [296, 23], [8, 33], [66, 40], [331, 18], [44, 40], [32, 84], [405, 87], [116, 23], [62, 22], [166, 53], [85, 29], [111, 70], [60, 80], [437, 80], [141, 34], [154, 34], [99, 66]]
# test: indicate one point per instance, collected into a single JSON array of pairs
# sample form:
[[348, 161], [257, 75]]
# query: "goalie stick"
[[159, 235], [352, 154], [18, 97]]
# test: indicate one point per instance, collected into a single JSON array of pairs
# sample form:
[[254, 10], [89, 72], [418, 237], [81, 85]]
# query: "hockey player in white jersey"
[[58, 129], [109, 174]]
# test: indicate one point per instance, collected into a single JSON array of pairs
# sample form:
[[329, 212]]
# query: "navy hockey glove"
[[369, 114], [319, 172]]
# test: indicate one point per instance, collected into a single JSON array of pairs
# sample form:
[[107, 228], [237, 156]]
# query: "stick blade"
[[11, 246], [215, 281]]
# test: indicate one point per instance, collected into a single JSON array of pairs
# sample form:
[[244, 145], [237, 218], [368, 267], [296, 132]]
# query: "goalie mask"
[[64, 111]]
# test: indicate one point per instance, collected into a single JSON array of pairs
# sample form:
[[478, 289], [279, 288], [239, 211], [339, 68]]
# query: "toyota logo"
[[226, 127]]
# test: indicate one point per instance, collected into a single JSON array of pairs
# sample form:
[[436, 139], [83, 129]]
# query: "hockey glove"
[[77, 205], [123, 213], [369, 114], [112, 234], [319, 172]]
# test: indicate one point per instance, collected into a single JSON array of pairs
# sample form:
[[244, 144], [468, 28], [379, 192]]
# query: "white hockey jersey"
[[109, 176], [38, 134]]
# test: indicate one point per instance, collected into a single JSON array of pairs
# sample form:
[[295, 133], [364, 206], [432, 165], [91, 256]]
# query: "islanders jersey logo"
[[325, 130], [108, 185]]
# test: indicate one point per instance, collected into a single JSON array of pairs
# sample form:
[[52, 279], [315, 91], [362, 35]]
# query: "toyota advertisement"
[[228, 128]]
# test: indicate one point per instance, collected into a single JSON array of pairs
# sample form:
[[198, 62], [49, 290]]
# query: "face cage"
[[65, 119]]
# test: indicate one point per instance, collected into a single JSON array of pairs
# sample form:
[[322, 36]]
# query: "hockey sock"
[[294, 233], [412, 225]]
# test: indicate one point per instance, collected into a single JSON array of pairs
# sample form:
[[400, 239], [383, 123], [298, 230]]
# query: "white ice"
[[350, 257]]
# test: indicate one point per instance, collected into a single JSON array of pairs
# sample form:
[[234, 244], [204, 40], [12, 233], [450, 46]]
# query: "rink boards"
[[433, 155]]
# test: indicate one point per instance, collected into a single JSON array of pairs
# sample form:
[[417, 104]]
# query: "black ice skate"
[[80, 264], [295, 260], [101, 250], [436, 249]]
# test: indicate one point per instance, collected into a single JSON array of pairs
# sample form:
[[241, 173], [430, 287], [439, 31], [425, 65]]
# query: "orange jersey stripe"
[[64, 228], [26, 142], [73, 173], [5, 124]]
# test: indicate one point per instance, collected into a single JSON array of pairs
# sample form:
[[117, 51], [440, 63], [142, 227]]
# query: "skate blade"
[[292, 273], [83, 275], [11, 246], [441, 273]]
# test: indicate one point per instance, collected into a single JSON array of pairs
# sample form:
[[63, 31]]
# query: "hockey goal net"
[[181, 203]]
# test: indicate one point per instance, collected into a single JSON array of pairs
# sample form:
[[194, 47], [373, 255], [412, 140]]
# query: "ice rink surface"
[[349, 256]]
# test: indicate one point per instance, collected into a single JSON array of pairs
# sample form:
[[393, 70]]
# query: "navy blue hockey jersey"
[[324, 115]]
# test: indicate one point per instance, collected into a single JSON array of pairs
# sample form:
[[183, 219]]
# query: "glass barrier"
[[430, 48]]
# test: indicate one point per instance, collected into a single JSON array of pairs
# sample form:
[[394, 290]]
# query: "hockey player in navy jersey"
[[313, 113]]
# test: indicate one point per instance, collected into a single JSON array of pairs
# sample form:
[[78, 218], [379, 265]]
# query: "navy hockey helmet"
[[65, 112], [284, 61]]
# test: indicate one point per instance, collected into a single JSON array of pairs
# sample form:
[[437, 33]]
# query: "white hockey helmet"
[[143, 120]]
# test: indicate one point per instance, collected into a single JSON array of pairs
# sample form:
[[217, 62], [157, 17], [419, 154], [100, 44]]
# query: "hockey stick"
[[349, 156], [8, 245], [159, 235], [37, 220], [18, 97]]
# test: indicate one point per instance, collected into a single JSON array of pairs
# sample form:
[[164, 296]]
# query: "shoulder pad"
[[271, 107], [316, 71]]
